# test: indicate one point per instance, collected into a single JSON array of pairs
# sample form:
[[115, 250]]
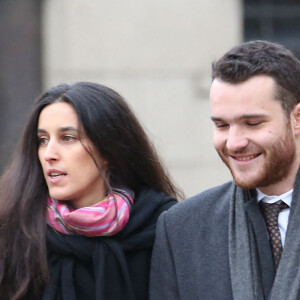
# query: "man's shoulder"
[[207, 200]]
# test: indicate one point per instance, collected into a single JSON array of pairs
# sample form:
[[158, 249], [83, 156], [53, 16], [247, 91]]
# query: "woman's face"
[[69, 170]]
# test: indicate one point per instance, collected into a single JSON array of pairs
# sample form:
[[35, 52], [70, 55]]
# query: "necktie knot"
[[271, 211]]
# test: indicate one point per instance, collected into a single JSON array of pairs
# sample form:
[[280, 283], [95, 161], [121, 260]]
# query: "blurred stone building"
[[158, 55]]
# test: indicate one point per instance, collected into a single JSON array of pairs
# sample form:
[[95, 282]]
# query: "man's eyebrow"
[[216, 119], [252, 116], [242, 117], [62, 129]]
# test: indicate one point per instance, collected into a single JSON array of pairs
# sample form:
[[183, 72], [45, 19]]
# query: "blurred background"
[[155, 53]]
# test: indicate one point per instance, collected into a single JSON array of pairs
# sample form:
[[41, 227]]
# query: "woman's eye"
[[69, 138], [42, 141]]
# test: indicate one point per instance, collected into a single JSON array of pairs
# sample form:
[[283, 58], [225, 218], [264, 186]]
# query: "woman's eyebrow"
[[69, 128], [62, 129]]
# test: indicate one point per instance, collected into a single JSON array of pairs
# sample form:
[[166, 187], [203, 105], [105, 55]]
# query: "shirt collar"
[[286, 197]]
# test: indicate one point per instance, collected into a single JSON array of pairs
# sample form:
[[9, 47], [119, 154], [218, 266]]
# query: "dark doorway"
[[20, 69]]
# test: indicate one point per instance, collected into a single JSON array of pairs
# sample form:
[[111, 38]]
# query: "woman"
[[80, 200]]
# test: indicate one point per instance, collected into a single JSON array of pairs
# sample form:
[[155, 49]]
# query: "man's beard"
[[277, 164]]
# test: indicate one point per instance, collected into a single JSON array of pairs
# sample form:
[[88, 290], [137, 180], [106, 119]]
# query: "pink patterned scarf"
[[102, 219]]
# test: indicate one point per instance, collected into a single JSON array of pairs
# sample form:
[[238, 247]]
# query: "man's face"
[[252, 134]]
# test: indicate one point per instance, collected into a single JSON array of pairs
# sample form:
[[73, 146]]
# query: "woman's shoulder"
[[148, 206], [158, 201]]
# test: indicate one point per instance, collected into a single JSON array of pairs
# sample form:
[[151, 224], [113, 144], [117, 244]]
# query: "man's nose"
[[237, 139]]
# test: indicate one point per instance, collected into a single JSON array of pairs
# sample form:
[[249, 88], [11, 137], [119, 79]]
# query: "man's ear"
[[295, 118]]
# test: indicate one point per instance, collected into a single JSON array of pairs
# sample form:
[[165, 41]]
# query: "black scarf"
[[96, 268]]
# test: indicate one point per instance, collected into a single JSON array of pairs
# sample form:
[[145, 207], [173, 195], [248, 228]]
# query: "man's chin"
[[246, 183]]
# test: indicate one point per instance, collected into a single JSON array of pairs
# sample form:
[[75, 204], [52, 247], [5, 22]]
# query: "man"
[[221, 244]]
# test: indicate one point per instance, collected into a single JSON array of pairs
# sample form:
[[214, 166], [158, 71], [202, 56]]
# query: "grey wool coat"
[[191, 259]]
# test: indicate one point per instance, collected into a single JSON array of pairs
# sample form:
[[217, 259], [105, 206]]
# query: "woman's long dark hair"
[[118, 136]]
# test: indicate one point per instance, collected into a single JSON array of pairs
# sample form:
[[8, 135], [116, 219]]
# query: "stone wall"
[[158, 55]]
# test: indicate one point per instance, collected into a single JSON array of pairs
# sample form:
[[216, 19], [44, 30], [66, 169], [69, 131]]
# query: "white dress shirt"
[[283, 217]]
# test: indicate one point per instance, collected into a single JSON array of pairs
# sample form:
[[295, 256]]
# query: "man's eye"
[[254, 123], [221, 125]]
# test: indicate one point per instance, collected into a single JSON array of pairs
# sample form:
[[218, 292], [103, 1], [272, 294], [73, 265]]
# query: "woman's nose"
[[51, 152]]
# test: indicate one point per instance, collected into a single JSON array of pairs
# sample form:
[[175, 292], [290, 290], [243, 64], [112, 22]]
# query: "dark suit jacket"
[[190, 258]]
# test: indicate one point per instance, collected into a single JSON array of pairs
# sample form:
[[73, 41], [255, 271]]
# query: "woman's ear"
[[295, 118], [104, 165]]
